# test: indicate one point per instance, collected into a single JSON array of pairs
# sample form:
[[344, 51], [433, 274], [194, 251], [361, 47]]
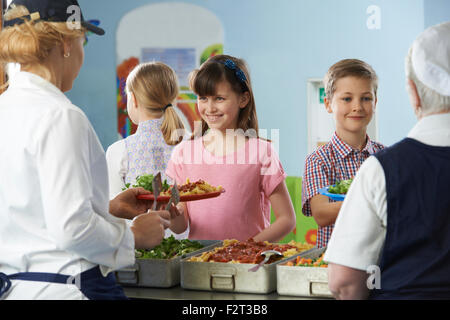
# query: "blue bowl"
[[333, 196]]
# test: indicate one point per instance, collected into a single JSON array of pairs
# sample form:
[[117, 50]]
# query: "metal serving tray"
[[159, 273], [303, 281], [228, 277]]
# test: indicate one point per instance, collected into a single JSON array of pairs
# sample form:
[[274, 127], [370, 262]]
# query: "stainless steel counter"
[[178, 293]]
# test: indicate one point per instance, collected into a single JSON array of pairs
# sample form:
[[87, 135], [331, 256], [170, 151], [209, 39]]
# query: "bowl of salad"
[[337, 191], [169, 248]]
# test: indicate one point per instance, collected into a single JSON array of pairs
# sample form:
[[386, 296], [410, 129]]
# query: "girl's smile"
[[221, 111], [213, 118], [356, 117]]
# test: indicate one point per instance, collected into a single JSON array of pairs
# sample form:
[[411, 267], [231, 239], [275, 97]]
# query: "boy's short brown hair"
[[348, 68]]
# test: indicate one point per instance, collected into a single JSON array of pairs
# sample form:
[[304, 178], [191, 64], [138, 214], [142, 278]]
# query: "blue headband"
[[240, 75]]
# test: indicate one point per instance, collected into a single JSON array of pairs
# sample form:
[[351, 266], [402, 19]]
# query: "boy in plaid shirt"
[[351, 96]]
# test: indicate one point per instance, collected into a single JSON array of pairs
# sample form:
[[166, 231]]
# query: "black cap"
[[53, 11]]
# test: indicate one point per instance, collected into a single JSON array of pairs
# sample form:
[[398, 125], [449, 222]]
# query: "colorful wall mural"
[[185, 46], [186, 102]]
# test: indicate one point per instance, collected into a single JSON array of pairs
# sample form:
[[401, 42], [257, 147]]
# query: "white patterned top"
[[144, 152]]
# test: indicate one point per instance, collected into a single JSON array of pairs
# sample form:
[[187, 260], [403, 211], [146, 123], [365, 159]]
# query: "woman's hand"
[[126, 205], [148, 229]]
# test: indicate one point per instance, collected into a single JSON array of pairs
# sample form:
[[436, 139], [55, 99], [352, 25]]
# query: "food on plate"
[[187, 189], [306, 262], [145, 181], [198, 187], [341, 187], [234, 251], [169, 248]]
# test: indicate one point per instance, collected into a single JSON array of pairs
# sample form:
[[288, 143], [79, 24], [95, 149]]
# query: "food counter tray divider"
[[228, 277], [157, 273], [303, 281]]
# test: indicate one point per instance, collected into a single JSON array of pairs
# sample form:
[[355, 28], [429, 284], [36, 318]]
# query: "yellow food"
[[192, 188]]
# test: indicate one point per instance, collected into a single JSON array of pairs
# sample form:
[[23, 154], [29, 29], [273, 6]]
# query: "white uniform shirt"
[[360, 228], [54, 192], [117, 160]]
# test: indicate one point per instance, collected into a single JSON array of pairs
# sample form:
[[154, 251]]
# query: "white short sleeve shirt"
[[360, 228]]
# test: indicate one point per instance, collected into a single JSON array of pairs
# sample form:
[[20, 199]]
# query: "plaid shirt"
[[330, 163]]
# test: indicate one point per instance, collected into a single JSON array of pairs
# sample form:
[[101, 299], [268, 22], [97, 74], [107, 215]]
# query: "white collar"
[[432, 130], [28, 80]]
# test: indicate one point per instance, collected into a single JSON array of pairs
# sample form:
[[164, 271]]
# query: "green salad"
[[341, 187], [169, 248], [145, 181]]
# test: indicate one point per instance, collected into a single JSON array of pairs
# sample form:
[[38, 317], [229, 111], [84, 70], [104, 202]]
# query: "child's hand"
[[174, 211], [169, 215], [178, 220], [323, 211]]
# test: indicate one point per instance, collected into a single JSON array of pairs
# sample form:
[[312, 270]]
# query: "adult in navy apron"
[[60, 236], [392, 235]]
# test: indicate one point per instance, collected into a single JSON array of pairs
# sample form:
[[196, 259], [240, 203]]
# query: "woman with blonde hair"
[[152, 89], [60, 237]]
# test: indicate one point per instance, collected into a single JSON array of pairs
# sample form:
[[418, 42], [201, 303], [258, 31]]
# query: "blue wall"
[[285, 42], [436, 11]]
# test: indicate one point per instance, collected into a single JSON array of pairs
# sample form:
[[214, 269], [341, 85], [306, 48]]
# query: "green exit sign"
[[321, 94]]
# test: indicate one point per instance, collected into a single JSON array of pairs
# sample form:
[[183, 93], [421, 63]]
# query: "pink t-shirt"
[[249, 176]]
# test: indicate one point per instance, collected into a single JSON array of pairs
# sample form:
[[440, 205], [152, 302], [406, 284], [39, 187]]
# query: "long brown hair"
[[155, 86], [204, 81]]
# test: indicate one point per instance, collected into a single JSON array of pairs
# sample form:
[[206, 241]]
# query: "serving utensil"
[[157, 186], [174, 198], [267, 254]]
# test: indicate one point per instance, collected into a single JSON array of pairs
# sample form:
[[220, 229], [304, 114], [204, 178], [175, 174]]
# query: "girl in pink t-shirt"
[[228, 152]]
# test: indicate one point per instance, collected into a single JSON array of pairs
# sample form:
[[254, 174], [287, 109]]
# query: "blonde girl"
[[152, 89], [227, 151]]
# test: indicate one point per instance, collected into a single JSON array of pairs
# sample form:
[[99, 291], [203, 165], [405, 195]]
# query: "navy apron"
[[415, 259], [92, 283]]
